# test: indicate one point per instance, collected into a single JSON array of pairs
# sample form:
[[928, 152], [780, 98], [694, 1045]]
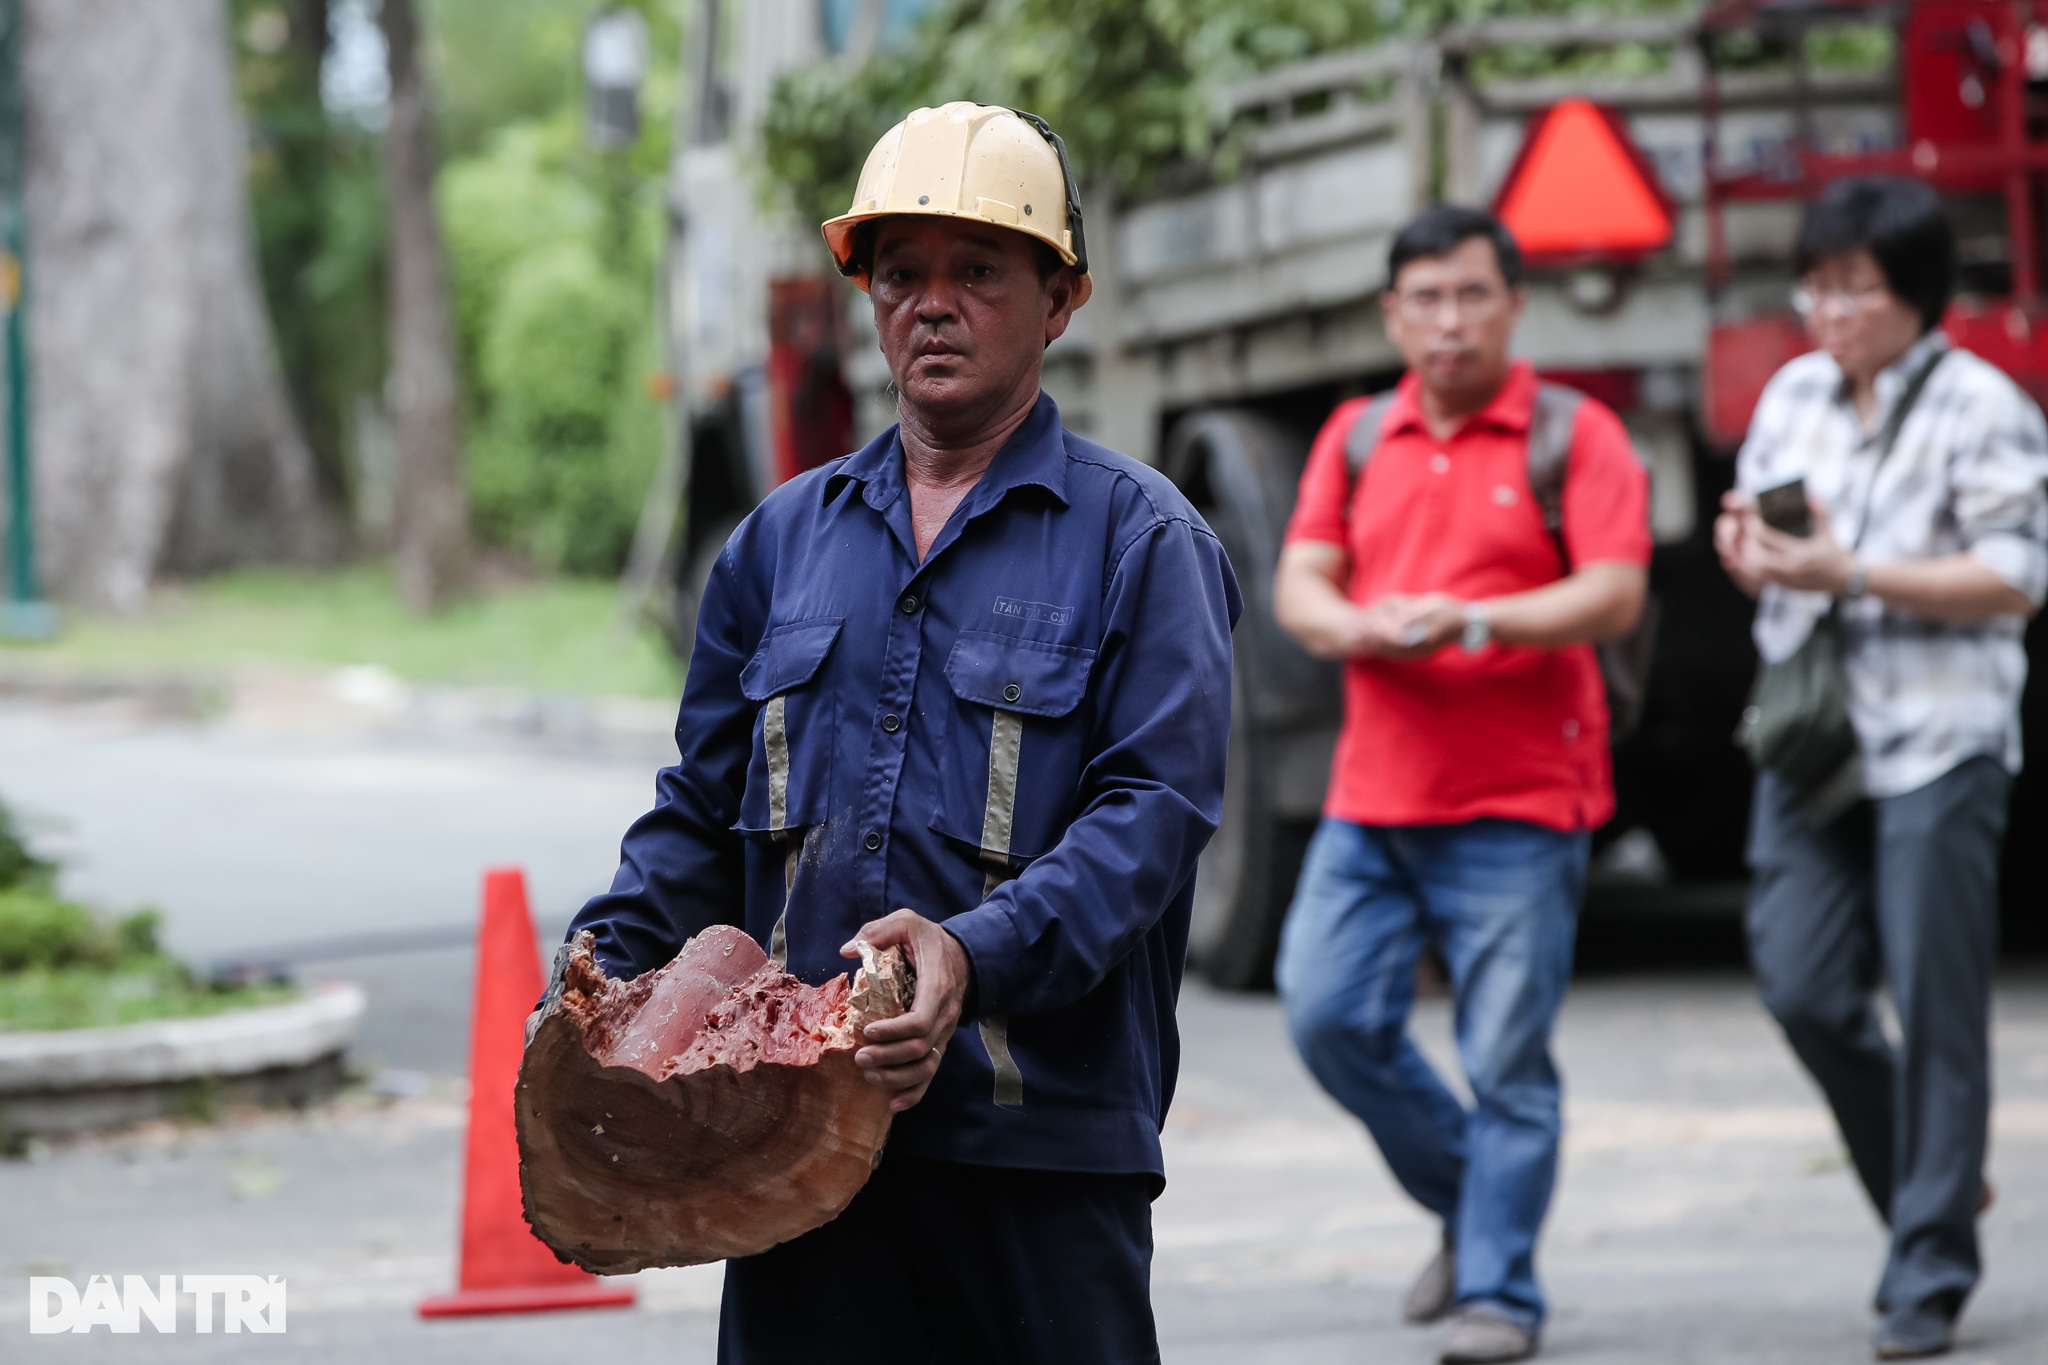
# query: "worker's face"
[[963, 315], [1853, 315], [1452, 318]]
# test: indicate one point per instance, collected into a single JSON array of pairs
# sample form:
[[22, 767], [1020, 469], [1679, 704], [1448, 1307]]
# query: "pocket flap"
[[1024, 676], [789, 657]]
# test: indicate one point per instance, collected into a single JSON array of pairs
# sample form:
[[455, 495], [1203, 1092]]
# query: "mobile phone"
[[1784, 508]]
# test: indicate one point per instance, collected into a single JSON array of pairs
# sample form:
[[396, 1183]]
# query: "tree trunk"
[[322, 371], [432, 529], [164, 438]]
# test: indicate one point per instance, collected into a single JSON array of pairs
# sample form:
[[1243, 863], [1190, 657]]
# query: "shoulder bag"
[[1797, 724]]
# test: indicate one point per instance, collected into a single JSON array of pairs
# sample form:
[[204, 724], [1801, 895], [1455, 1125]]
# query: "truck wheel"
[[1245, 879], [1240, 470]]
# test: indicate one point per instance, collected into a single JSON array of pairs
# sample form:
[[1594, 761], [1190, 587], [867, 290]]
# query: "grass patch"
[[135, 990], [62, 966], [553, 636]]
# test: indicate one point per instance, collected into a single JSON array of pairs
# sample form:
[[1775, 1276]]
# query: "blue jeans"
[[1499, 899]]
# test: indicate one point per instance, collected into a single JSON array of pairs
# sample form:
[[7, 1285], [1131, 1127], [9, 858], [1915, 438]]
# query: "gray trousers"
[[1908, 884]]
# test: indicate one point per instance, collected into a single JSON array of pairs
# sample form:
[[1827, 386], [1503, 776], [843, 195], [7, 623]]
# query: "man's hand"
[[902, 1054], [1426, 624], [1402, 627]]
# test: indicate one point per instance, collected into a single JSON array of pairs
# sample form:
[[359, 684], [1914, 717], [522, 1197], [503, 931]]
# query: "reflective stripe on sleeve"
[[775, 738], [1005, 748], [778, 939], [995, 1036]]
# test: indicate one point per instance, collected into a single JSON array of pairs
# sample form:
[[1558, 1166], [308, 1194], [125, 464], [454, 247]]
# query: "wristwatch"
[[1859, 579], [1478, 628]]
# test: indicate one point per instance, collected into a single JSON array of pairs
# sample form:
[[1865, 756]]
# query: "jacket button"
[[909, 603], [892, 722], [873, 841], [1012, 692]]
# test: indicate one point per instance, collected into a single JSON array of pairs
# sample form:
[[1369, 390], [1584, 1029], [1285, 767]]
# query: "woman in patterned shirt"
[[1933, 554]]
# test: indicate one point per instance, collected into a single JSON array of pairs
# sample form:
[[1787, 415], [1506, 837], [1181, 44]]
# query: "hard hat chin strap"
[[1073, 190]]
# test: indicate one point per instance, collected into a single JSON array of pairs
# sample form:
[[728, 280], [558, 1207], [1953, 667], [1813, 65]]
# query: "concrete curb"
[[365, 699], [238, 1043]]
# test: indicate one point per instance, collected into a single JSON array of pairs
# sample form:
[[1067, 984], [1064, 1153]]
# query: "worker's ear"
[[1065, 291]]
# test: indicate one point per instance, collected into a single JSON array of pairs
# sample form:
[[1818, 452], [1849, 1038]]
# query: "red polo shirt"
[[1515, 733]]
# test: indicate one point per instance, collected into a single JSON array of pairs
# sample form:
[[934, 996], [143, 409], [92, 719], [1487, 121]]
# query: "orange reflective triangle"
[[1580, 189]]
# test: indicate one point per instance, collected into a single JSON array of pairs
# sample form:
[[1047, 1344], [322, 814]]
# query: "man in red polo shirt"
[[1473, 762]]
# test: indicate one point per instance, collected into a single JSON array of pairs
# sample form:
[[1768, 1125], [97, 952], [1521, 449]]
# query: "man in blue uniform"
[[966, 690]]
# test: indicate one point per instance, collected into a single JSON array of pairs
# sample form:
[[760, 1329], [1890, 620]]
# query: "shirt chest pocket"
[[1015, 739], [789, 775]]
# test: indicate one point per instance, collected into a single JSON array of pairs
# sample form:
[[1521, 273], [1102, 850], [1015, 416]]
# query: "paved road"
[[1705, 1215], [304, 833]]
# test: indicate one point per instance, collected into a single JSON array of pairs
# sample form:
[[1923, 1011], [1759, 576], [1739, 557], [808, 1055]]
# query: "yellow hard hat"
[[978, 161]]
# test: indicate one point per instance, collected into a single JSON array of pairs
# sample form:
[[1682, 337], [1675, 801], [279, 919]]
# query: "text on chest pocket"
[[789, 775], [1014, 744]]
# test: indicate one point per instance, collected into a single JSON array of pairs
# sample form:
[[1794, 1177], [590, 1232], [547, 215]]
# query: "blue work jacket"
[[1023, 737]]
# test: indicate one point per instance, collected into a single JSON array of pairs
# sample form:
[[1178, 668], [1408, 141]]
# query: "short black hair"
[[1442, 228], [1901, 223], [862, 254]]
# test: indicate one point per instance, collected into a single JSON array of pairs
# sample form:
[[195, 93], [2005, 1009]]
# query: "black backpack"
[[1624, 660]]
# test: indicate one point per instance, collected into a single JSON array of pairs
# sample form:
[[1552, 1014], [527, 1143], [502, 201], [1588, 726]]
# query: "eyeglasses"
[[1845, 303], [1471, 301]]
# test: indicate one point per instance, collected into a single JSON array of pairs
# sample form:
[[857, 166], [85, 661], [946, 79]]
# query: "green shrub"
[[137, 935], [62, 966], [38, 930], [550, 473], [501, 206], [551, 301], [17, 865]]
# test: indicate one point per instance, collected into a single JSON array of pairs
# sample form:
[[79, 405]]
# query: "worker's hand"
[[902, 1054], [1811, 563]]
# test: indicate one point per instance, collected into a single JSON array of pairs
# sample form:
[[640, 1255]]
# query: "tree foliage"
[[318, 205], [1131, 85], [553, 258], [552, 248]]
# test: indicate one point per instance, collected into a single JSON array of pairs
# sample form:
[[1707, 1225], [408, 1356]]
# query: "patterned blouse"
[[1968, 475]]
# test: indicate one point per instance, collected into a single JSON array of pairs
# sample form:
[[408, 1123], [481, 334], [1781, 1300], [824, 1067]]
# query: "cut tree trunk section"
[[708, 1109]]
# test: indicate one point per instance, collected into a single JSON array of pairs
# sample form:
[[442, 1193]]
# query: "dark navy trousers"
[[940, 1262], [1905, 888]]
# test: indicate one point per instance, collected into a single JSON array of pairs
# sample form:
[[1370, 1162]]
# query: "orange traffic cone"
[[505, 1268]]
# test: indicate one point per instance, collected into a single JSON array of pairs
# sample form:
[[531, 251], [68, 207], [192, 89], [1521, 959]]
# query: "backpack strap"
[[1365, 433], [1551, 421]]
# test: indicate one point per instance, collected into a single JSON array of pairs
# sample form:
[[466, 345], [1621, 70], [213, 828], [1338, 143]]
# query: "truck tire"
[[1240, 471], [1246, 876]]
